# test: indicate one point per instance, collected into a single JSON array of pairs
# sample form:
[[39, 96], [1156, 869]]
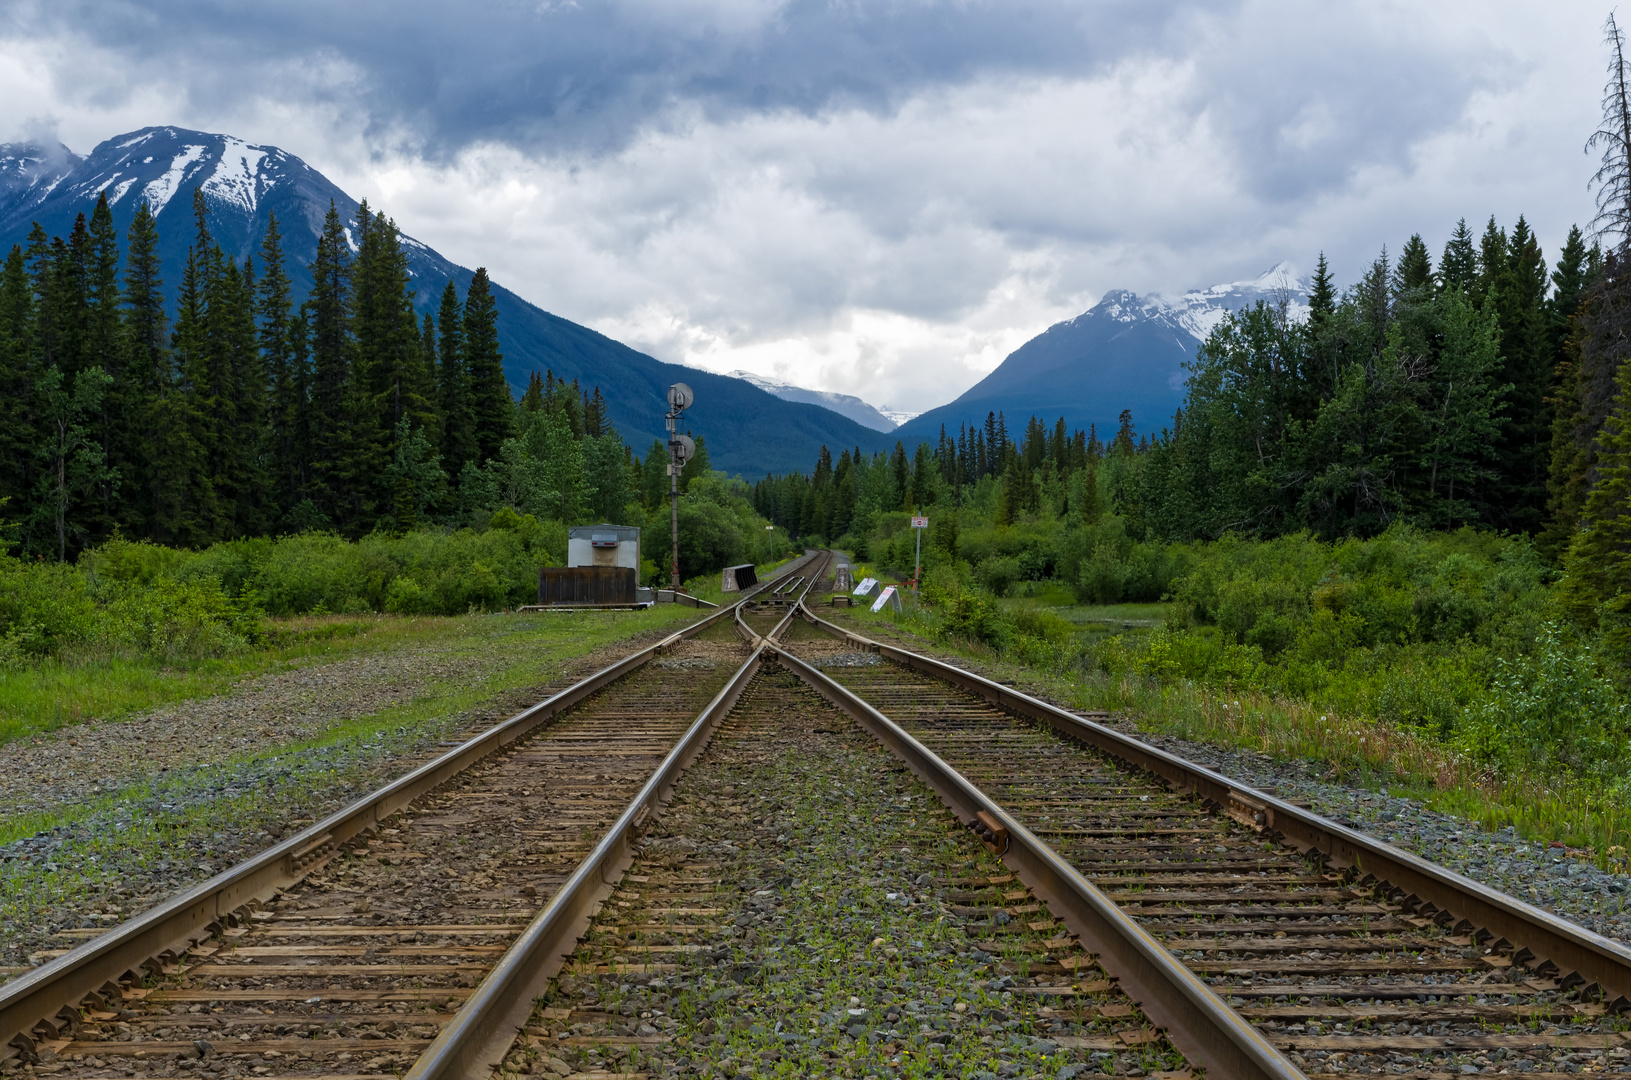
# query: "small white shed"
[[603, 545]]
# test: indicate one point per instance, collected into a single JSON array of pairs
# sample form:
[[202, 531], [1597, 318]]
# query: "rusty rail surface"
[[1197, 1022], [1547, 944], [134, 947], [477, 1039]]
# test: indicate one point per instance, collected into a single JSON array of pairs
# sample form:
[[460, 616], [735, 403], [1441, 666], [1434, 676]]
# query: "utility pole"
[[680, 450]]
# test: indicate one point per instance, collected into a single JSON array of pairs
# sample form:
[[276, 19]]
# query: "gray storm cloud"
[[880, 198]]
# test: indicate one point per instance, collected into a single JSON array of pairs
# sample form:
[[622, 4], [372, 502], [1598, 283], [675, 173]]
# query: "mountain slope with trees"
[[244, 186]]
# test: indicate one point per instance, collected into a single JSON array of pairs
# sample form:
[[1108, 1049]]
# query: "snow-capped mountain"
[[1126, 352], [844, 404], [1199, 311], [243, 183]]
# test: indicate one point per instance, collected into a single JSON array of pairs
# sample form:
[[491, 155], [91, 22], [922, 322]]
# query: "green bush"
[[1553, 708]]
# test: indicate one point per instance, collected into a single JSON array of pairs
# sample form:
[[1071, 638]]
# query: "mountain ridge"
[[844, 404], [1125, 352], [748, 431]]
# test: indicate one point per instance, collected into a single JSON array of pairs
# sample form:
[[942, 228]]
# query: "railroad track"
[[1153, 917], [350, 947], [1347, 956], [799, 911]]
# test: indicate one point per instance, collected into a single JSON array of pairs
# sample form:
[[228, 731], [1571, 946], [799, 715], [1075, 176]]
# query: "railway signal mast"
[[681, 449]]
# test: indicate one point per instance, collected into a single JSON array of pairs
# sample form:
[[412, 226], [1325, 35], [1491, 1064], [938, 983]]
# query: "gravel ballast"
[[807, 907]]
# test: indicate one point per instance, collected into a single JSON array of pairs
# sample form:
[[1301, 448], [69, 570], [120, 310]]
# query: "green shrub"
[[1552, 709], [998, 573], [1203, 655]]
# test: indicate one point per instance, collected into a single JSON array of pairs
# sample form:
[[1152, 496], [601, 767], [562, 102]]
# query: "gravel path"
[[1549, 878]]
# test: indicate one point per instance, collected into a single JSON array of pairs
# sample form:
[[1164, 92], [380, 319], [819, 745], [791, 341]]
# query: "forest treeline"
[[249, 414], [1467, 393]]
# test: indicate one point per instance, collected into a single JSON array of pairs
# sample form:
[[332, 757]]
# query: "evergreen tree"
[[274, 306], [654, 476], [1518, 292], [190, 514], [491, 406], [159, 438], [105, 348], [18, 435], [458, 422], [1458, 268], [330, 343], [73, 465], [1415, 269]]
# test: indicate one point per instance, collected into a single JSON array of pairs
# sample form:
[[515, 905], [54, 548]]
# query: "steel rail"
[[125, 951], [481, 1033], [1196, 1021], [1538, 939]]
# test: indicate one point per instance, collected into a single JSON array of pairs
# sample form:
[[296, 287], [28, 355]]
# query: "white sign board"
[[865, 586], [920, 523], [884, 597]]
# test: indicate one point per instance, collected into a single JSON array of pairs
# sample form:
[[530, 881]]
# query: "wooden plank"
[[155, 1047], [1417, 1043], [322, 994], [250, 970]]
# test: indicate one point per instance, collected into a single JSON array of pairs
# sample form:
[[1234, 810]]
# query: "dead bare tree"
[[1612, 225]]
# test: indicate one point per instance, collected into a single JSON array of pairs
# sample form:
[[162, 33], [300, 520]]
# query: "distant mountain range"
[[844, 404], [1126, 352], [748, 431]]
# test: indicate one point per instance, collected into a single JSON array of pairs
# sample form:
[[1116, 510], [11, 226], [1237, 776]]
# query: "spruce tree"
[[149, 375], [458, 424], [330, 342], [105, 347], [286, 406], [1597, 579], [1458, 268], [1415, 269], [190, 516], [1517, 290], [491, 405], [18, 433]]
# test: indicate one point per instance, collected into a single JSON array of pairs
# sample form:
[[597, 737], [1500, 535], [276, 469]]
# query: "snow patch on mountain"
[[237, 178], [159, 192], [1199, 311]]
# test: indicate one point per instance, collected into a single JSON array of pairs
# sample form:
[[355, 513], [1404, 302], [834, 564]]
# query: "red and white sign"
[[920, 523]]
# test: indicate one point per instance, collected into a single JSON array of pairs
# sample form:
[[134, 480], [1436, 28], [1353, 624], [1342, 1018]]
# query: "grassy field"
[[55, 693]]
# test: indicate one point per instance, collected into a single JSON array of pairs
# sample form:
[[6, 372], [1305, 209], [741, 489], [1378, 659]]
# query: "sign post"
[[680, 450], [918, 523]]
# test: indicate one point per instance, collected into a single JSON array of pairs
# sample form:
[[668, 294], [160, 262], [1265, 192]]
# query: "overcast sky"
[[881, 198]]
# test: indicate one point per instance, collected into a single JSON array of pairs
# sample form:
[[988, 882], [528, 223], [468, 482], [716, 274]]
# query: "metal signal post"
[[681, 449], [918, 523]]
